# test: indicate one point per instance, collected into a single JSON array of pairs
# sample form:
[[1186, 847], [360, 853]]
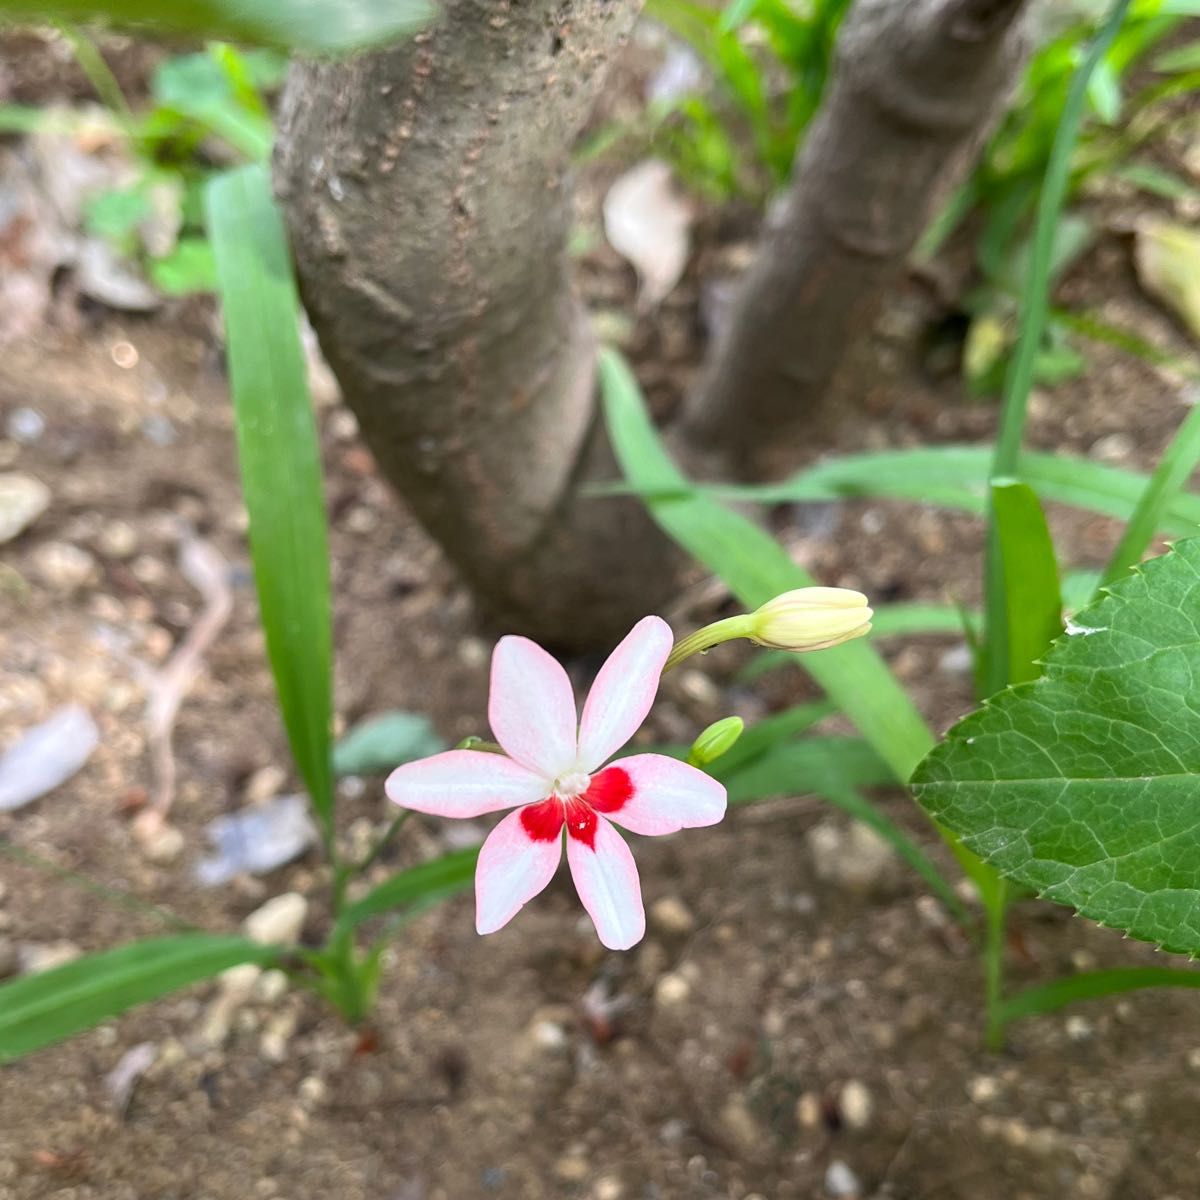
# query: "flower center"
[[572, 784]]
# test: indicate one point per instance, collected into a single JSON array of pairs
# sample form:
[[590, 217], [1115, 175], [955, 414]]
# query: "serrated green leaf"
[[385, 741], [1082, 785], [38, 1010], [280, 464], [311, 26]]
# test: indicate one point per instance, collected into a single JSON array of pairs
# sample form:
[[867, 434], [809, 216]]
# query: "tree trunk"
[[424, 190], [914, 86]]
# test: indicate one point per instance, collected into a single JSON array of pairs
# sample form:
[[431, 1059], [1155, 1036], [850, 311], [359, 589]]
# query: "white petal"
[[665, 795], [513, 867], [606, 878], [531, 707], [463, 783], [623, 691]]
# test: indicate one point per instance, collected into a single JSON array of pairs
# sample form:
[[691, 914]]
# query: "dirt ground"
[[779, 1034]]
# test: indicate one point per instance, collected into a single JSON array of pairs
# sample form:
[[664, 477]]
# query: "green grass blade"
[[1035, 308], [1092, 985], [1032, 598], [310, 26], [38, 1010], [757, 568], [1173, 471], [280, 464], [422, 884], [815, 764], [961, 473]]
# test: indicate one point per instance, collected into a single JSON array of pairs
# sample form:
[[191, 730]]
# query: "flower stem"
[[708, 637]]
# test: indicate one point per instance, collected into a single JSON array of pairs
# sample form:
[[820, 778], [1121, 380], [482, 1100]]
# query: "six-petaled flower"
[[552, 773]]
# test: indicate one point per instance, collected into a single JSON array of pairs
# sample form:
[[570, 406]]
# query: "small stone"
[[808, 1110], [572, 1168], [671, 991], [271, 987], [983, 1089], [279, 921], [313, 1090], [608, 1187], [273, 1045], [856, 1104], [841, 1183], [63, 566], [117, 539], [43, 956], [740, 1123], [1113, 447], [265, 784], [22, 500], [1193, 1059], [853, 857], [548, 1035], [25, 425], [9, 960], [1078, 1028], [158, 841], [671, 915]]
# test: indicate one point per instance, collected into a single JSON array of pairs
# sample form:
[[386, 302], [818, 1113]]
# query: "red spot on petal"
[[610, 790], [543, 821], [581, 822]]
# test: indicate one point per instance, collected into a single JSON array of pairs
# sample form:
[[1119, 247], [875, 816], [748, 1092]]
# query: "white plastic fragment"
[[257, 840], [647, 222], [46, 756]]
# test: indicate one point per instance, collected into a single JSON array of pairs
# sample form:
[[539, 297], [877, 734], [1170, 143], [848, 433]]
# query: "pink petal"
[[463, 783], [514, 865], [623, 692], [531, 707], [606, 878], [662, 795]]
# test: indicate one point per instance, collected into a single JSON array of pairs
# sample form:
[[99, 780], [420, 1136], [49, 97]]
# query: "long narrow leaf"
[[1091, 985], [280, 464], [312, 26], [436, 879], [1173, 471], [37, 1010], [756, 568], [1035, 308], [961, 474], [1032, 599]]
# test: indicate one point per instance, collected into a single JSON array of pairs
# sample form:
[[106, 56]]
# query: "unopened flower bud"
[[811, 618], [716, 740]]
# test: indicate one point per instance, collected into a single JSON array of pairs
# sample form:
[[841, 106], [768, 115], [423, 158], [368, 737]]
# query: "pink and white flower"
[[552, 773]]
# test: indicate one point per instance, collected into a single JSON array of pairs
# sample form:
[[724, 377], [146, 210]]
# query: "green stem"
[[383, 843], [708, 637], [993, 965], [99, 75]]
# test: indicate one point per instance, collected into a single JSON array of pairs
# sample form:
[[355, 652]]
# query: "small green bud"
[[717, 739], [811, 618], [471, 742]]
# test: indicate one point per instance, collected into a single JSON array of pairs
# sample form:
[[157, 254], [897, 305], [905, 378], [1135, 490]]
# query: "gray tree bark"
[[424, 190], [914, 85]]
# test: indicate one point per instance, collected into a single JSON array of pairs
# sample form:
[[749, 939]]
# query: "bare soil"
[[776, 1035]]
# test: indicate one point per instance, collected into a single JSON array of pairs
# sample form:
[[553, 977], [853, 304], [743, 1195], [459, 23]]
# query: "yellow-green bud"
[[716, 740], [811, 618]]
